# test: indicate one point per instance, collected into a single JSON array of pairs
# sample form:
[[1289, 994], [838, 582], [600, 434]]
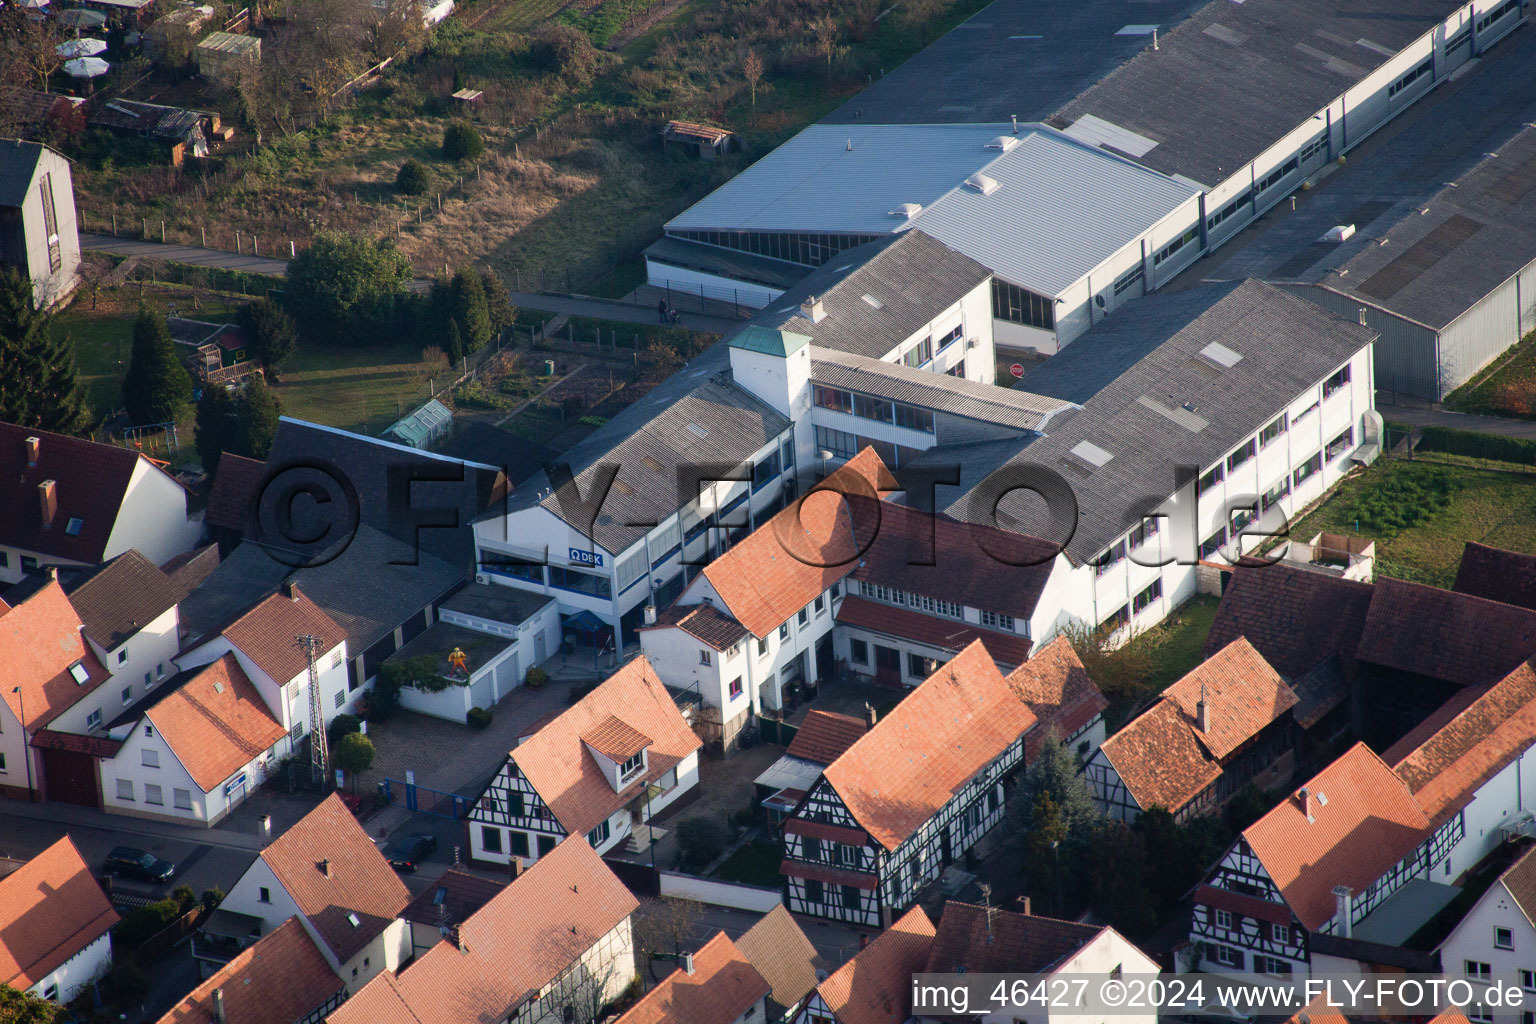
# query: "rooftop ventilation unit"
[[985, 184], [907, 210], [1004, 142]]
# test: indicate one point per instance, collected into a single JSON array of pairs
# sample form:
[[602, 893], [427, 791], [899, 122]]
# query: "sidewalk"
[[76, 816], [1420, 417], [623, 312], [189, 254]]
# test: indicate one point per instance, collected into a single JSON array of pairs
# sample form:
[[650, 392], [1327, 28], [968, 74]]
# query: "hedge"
[[1478, 446]]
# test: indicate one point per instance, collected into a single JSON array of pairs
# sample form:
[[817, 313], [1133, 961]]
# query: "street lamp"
[[26, 753], [1056, 854]]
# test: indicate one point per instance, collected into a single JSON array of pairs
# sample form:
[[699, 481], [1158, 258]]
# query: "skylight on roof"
[[74, 526], [353, 920], [876, 303], [697, 431], [1216, 352], [79, 673], [1091, 453], [983, 183]]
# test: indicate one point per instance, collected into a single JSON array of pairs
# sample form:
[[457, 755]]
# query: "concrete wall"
[[688, 283], [717, 893]]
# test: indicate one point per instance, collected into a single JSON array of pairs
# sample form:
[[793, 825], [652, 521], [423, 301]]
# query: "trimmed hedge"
[[1478, 446], [478, 718]]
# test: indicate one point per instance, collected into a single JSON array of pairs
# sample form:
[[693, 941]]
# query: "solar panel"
[[1419, 257]]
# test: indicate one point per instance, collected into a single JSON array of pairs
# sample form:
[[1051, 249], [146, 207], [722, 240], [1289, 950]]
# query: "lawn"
[[1485, 505], [757, 863], [357, 389], [1153, 659]]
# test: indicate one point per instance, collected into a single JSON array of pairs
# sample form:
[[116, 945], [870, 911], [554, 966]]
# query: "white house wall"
[[74, 974], [153, 517], [1473, 939], [145, 658]]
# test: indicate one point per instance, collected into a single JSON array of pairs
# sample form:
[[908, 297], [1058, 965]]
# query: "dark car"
[[135, 863], [409, 851]]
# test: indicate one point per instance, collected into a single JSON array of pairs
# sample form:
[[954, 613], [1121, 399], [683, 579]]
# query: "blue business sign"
[[581, 557]]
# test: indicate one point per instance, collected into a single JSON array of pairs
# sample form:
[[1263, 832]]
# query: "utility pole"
[[319, 756]]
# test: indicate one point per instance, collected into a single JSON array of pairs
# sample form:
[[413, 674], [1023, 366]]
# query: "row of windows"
[[921, 602], [809, 249], [490, 841], [846, 895], [997, 620], [1221, 215], [1272, 179], [878, 409], [1022, 306], [1116, 552], [154, 795], [918, 354], [1174, 246], [1128, 280], [1498, 12]]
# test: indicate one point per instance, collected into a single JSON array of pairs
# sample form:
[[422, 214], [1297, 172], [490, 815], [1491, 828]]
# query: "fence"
[[719, 894], [160, 943]]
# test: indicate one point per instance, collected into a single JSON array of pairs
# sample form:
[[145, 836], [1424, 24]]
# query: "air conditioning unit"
[[973, 343], [481, 577]]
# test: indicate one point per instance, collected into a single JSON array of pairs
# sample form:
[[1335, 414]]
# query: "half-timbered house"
[[909, 796], [599, 769], [1067, 703], [282, 979], [875, 987], [716, 985], [1226, 723]]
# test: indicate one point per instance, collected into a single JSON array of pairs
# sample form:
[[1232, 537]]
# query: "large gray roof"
[[912, 276], [695, 417], [1233, 78], [1286, 345], [937, 391]]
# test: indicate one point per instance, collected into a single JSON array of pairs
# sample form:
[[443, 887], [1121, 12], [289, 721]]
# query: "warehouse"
[[1449, 283], [1068, 230]]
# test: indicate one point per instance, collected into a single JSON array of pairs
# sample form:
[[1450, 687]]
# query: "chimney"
[[218, 1005], [1154, 39], [870, 715], [48, 501], [1024, 906], [1015, 123], [850, 145], [32, 445], [650, 615], [812, 309], [458, 939], [1344, 910], [1202, 712], [290, 590], [325, 866], [1304, 798], [688, 963], [515, 866], [53, 574]]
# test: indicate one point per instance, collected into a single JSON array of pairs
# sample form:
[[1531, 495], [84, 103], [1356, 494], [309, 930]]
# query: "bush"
[[143, 924], [353, 754], [700, 841], [1478, 446], [462, 142], [185, 898], [478, 718], [565, 51], [212, 898], [343, 725], [413, 178], [1394, 502], [536, 677]]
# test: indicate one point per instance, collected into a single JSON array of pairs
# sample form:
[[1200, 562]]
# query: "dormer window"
[[631, 767]]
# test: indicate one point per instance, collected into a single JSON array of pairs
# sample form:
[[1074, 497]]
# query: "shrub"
[[185, 898], [1399, 500], [212, 898], [700, 841], [1478, 446], [536, 677], [144, 923], [354, 753], [343, 725], [565, 51], [478, 718], [413, 178], [462, 142]]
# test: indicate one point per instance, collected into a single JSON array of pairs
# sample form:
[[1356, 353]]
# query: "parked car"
[[409, 851], [136, 863]]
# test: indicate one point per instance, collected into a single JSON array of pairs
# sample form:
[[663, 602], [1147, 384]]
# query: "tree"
[[920, 14], [353, 754], [33, 44], [157, 388], [1054, 773], [567, 51], [462, 142], [215, 411], [271, 333], [413, 178], [257, 411], [1117, 879], [826, 33], [503, 314], [470, 309], [752, 71], [345, 287], [38, 385], [19, 1007], [664, 926], [700, 840], [398, 26], [453, 342]]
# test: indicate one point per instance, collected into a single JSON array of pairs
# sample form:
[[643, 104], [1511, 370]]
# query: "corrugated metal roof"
[[929, 390]]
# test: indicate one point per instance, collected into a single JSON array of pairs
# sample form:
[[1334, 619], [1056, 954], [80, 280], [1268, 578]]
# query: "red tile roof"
[[1508, 577], [613, 738], [96, 746], [330, 867], [1294, 617], [897, 775], [508, 950], [823, 735], [1059, 691], [703, 622], [875, 987], [91, 480], [1520, 881], [781, 566], [40, 639], [722, 987], [1451, 754], [216, 722], [566, 777], [51, 908], [976, 939], [234, 490], [1369, 822], [1444, 635], [451, 899], [1242, 695], [929, 630], [280, 979], [782, 954], [1159, 759], [266, 633]]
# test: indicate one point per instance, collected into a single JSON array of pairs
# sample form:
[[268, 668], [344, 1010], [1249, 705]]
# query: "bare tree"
[[664, 926], [585, 990], [397, 27], [826, 32], [920, 14], [752, 71], [31, 43]]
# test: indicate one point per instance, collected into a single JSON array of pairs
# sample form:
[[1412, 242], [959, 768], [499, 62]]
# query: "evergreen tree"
[[157, 388], [215, 417], [453, 343], [470, 311], [503, 314], [1055, 773], [271, 333], [38, 386], [257, 411], [343, 288]]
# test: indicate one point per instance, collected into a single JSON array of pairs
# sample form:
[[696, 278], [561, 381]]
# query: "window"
[[50, 223], [580, 582], [958, 370], [632, 765], [1272, 430], [810, 847], [1498, 12], [919, 354], [765, 472], [1503, 938], [1479, 1014], [515, 806], [2, 764], [51, 993], [1131, 278], [820, 603], [1528, 980], [1213, 543], [850, 897], [1224, 919], [919, 667], [127, 695], [1148, 528], [804, 616], [783, 631], [835, 399], [996, 620], [263, 895], [1174, 246], [1272, 179], [490, 839], [1107, 560], [150, 758], [1118, 618], [182, 798], [297, 732], [340, 698], [1274, 494], [952, 337], [546, 845], [93, 720], [1313, 148], [28, 563], [1223, 214], [1227, 956], [79, 673], [1216, 475], [152, 794], [599, 835], [336, 658], [1306, 469], [1021, 306], [762, 647], [1476, 970], [858, 652], [703, 657], [1272, 966], [1335, 383], [1417, 73], [149, 681], [125, 789], [736, 687], [519, 843], [840, 443], [913, 418], [1280, 932], [1142, 601], [122, 655], [1341, 444], [812, 890], [1242, 455]]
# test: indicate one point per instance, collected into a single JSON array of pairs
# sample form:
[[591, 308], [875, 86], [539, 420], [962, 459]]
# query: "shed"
[[423, 426], [701, 140], [221, 54]]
